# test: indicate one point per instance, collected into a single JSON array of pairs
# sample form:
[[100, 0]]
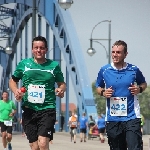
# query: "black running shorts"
[[38, 123], [101, 130], [83, 130], [5, 128]]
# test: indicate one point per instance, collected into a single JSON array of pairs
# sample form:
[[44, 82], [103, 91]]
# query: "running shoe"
[[9, 146], [102, 141]]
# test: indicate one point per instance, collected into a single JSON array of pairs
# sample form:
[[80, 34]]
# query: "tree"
[[99, 100], [144, 100]]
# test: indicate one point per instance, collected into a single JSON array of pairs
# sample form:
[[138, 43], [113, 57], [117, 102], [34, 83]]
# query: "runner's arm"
[[62, 86], [105, 92], [136, 89], [143, 85], [61, 89], [13, 85], [14, 112], [14, 88], [99, 90]]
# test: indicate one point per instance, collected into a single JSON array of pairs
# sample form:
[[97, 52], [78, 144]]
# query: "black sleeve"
[[15, 78]]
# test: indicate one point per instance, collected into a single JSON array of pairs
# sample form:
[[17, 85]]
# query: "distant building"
[[72, 107]]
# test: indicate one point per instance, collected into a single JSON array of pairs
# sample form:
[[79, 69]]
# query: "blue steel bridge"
[[54, 23]]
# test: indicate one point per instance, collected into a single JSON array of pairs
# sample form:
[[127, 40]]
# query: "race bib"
[[118, 106], [74, 123], [36, 93], [8, 123]]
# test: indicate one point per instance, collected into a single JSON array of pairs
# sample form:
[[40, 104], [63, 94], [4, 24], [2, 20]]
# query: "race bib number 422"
[[118, 106]]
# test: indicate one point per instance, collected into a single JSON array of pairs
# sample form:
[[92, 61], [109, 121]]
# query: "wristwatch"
[[102, 92], [141, 89]]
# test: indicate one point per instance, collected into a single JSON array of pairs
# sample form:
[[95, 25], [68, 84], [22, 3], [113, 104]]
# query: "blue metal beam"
[[2, 48], [74, 61], [66, 37], [4, 30], [5, 12]]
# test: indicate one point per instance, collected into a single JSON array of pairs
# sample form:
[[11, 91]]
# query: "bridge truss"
[[57, 26]]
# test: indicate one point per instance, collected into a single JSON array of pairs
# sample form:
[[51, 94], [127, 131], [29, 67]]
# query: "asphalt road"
[[62, 142]]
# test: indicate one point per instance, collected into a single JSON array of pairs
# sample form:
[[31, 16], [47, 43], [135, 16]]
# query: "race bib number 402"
[[118, 106], [36, 93]]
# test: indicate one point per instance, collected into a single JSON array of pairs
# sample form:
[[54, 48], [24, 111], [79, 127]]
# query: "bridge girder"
[[67, 40]]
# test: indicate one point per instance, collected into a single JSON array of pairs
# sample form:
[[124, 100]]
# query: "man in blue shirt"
[[120, 83], [83, 126], [101, 127]]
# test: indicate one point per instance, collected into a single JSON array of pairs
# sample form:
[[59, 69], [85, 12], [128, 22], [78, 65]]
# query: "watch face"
[[141, 89], [102, 92]]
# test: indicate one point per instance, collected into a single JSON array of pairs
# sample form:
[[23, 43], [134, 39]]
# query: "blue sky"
[[130, 22]]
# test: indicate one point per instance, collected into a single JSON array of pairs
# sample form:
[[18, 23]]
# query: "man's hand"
[[59, 92], [108, 92], [18, 95], [134, 89], [11, 114]]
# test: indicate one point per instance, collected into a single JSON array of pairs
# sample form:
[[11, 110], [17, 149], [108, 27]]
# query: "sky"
[[130, 22]]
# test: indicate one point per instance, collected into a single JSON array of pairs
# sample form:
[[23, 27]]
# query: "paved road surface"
[[62, 142]]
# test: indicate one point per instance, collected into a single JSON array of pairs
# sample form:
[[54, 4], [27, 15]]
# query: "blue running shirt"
[[101, 123], [122, 106], [83, 122]]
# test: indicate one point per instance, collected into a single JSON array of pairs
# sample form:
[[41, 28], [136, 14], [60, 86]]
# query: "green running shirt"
[[39, 81], [5, 110]]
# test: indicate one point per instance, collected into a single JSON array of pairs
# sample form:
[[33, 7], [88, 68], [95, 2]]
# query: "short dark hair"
[[91, 117], [118, 43], [5, 92], [40, 38], [84, 114]]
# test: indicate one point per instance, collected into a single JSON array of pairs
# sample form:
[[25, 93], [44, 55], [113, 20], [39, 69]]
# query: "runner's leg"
[[116, 136], [30, 127], [4, 139], [134, 135], [81, 135], [4, 134], [45, 123]]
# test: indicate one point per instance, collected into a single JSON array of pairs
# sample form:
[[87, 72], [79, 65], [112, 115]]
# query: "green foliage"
[[99, 101], [144, 100]]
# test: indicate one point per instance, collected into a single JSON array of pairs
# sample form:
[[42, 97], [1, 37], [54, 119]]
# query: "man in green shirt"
[[38, 76], [7, 111]]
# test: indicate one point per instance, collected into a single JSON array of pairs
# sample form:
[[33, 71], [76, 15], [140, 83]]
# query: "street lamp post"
[[65, 4], [107, 55], [34, 10], [8, 49], [91, 51]]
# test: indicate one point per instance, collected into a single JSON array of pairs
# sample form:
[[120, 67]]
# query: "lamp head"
[[8, 50], [91, 51], [65, 4]]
